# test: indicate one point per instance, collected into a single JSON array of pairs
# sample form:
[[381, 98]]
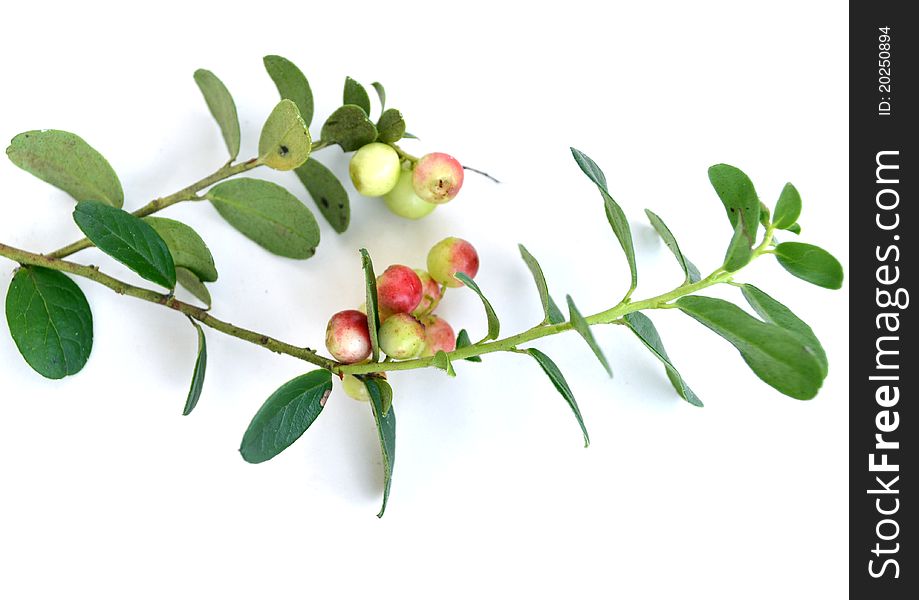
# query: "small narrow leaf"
[[285, 416], [614, 214], [580, 324], [539, 279], [373, 312], [494, 326], [349, 127], [354, 93], [285, 142], [386, 429], [775, 355], [67, 162], [462, 340], [268, 215], [220, 103], [645, 330], [739, 251], [187, 248], [738, 196], [328, 193], [788, 208], [442, 361], [381, 93], [127, 239], [390, 127], [292, 84], [810, 263], [197, 378], [50, 321], [558, 380], [555, 314], [689, 269], [190, 282], [773, 311], [795, 229]]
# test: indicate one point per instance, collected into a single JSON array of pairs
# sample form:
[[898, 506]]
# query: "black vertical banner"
[[883, 371]]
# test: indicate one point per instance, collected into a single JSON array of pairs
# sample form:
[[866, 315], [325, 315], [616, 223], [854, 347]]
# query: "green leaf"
[[442, 361], [614, 214], [738, 196], [373, 312], [539, 279], [291, 84], [462, 340], [67, 162], [285, 142], [50, 321], [190, 282], [127, 239], [795, 229], [494, 326], [558, 380], [555, 314], [776, 355], [328, 193], [642, 327], [689, 269], [810, 263], [410, 136], [349, 127], [187, 248], [285, 416], [391, 126], [773, 311], [580, 324], [386, 429], [763, 214], [220, 103], [381, 92], [355, 94], [197, 377], [739, 251], [788, 208], [268, 215]]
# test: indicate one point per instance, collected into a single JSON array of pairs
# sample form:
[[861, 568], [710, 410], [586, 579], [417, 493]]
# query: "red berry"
[[430, 294], [398, 290], [450, 256], [437, 177], [347, 336], [438, 335]]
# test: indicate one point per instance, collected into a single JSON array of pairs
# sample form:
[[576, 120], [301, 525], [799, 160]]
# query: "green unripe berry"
[[355, 388], [375, 169], [403, 201], [401, 336]]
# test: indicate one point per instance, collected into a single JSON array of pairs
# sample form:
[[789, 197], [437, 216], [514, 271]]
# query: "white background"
[[107, 492]]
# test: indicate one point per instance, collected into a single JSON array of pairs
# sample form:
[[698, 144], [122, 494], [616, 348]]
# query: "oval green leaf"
[[739, 251], [187, 248], [268, 215], [349, 127], [354, 93], [67, 162], [386, 430], [645, 330], [127, 239], [50, 321], [738, 196], [580, 324], [788, 208], [292, 84], [390, 127], [373, 312], [795, 229], [775, 355], [190, 282], [462, 341], [810, 263], [381, 93], [442, 361], [285, 141], [494, 326], [690, 270], [328, 193], [197, 377], [223, 109], [285, 416], [558, 380]]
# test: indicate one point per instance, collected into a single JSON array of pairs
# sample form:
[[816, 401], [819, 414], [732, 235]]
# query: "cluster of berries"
[[411, 188], [406, 300]]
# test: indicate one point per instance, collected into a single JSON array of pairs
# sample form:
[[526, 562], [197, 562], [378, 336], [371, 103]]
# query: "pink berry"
[[450, 256], [437, 177], [398, 290], [402, 336], [438, 335], [430, 294], [347, 336]]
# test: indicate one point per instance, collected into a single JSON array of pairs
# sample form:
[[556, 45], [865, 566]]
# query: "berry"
[[438, 335], [402, 336], [449, 256], [437, 177], [403, 201], [375, 169], [355, 388], [430, 294], [347, 336], [398, 290]]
